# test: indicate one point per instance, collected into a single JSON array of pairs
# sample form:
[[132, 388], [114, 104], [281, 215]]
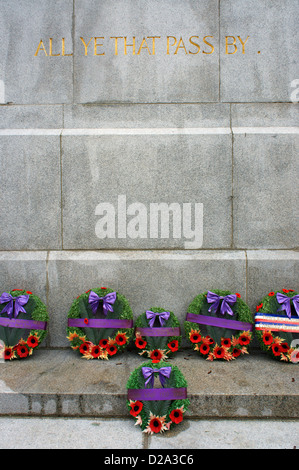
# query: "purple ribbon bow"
[[151, 316], [285, 302], [15, 304], [148, 374], [215, 299], [108, 301]]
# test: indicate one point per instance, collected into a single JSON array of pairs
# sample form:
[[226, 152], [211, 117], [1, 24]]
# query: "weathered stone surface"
[[26, 117], [264, 115], [28, 78], [254, 386], [147, 279], [144, 76], [268, 67], [265, 191], [30, 192]]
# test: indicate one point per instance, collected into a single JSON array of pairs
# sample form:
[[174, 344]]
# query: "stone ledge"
[[59, 383]]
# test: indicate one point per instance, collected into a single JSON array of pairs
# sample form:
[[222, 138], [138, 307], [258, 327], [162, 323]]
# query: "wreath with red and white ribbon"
[[23, 324], [100, 323]]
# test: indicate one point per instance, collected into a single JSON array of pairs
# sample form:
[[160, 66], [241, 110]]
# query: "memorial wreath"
[[23, 323], [157, 409], [100, 323], [157, 334], [219, 325], [277, 325]]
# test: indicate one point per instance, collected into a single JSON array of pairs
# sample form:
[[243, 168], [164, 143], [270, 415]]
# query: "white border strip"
[[150, 131]]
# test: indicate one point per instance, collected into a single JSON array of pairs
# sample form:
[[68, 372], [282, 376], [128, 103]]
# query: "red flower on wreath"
[[226, 342], [28, 292], [244, 339], [95, 351], [219, 352], [209, 340], [236, 352], [32, 341], [176, 416], [156, 355], [194, 336], [155, 424], [104, 343], [204, 349], [267, 338], [238, 295], [121, 339], [284, 347], [136, 407], [173, 345], [85, 347], [271, 294], [258, 307], [22, 350], [276, 349], [140, 343], [111, 349], [86, 321], [286, 291], [8, 354]]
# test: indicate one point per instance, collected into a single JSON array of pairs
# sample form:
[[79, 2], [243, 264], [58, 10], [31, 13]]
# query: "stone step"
[[57, 382]]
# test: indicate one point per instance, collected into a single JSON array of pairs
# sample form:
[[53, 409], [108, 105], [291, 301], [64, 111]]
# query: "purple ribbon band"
[[285, 302], [14, 304], [100, 323], [167, 331], [220, 322], [151, 394], [24, 324]]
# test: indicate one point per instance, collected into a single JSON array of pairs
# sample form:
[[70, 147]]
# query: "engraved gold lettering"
[[180, 45], [230, 44], [96, 45], [209, 44], [63, 48], [40, 47], [143, 45], [194, 44], [168, 42], [153, 42], [85, 45], [51, 48], [129, 45], [243, 43], [115, 43]]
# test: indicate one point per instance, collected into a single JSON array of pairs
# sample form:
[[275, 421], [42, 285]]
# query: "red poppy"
[[176, 416], [236, 352], [136, 407], [95, 351], [32, 341], [87, 291], [103, 343], [258, 307], [210, 340], [86, 321], [286, 291], [226, 342], [85, 347], [276, 349], [195, 337], [219, 352], [204, 349], [28, 292], [104, 288], [111, 349], [14, 290], [156, 356], [267, 338], [173, 345], [244, 339], [22, 350], [140, 343], [8, 354], [284, 347], [155, 424], [121, 339], [238, 295], [271, 294]]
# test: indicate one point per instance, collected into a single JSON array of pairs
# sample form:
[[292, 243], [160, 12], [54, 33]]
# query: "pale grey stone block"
[[146, 169], [265, 191], [26, 117], [268, 67], [36, 79], [264, 115], [270, 271], [145, 77], [30, 192], [147, 116], [167, 279]]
